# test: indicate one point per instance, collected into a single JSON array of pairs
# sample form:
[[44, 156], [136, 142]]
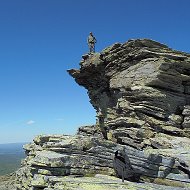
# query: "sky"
[[41, 39]]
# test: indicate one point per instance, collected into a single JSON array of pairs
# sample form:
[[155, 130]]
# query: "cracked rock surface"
[[141, 93]]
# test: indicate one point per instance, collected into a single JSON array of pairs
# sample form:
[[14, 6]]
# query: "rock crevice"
[[141, 93]]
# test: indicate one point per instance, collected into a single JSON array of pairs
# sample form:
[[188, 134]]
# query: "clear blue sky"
[[41, 39]]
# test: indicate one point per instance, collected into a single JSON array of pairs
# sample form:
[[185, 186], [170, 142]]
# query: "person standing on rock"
[[123, 167], [91, 42]]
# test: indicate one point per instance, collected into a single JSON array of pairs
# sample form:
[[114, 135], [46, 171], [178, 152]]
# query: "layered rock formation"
[[139, 88], [141, 92]]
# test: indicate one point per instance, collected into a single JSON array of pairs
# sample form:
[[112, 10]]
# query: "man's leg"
[[90, 47], [123, 175], [93, 48]]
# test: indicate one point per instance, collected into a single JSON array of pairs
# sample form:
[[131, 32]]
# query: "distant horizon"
[[11, 155], [15, 143]]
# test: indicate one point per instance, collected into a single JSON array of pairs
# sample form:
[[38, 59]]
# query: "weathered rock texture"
[[139, 88], [141, 92], [7, 182]]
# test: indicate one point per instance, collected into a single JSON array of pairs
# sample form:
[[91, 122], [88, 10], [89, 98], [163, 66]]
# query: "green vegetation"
[[10, 157], [168, 182]]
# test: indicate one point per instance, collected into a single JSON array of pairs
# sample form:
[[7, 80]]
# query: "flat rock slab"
[[103, 182]]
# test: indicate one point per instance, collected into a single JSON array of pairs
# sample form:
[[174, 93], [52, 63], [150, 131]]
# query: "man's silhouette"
[[123, 168], [91, 42]]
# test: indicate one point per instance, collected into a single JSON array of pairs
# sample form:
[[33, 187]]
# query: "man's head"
[[118, 153], [91, 33]]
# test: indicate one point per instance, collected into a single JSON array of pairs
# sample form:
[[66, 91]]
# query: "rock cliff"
[[141, 93]]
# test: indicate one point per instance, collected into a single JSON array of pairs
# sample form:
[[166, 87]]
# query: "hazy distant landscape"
[[10, 157]]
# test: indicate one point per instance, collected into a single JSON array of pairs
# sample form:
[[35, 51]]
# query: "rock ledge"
[[141, 93]]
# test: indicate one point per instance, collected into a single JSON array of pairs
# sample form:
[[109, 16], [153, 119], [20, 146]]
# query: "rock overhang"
[[141, 92]]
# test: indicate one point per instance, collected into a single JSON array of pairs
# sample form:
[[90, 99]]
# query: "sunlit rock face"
[[141, 93], [139, 89]]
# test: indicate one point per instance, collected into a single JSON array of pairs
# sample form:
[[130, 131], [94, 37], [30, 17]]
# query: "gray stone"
[[186, 110], [186, 122], [140, 91]]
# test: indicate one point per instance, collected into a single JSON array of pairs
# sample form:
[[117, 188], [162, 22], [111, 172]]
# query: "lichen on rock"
[[141, 93]]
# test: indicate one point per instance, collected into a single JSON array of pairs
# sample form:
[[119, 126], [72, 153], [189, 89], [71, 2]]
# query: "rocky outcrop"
[[138, 89], [7, 182], [50, 158], [141, 93]]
